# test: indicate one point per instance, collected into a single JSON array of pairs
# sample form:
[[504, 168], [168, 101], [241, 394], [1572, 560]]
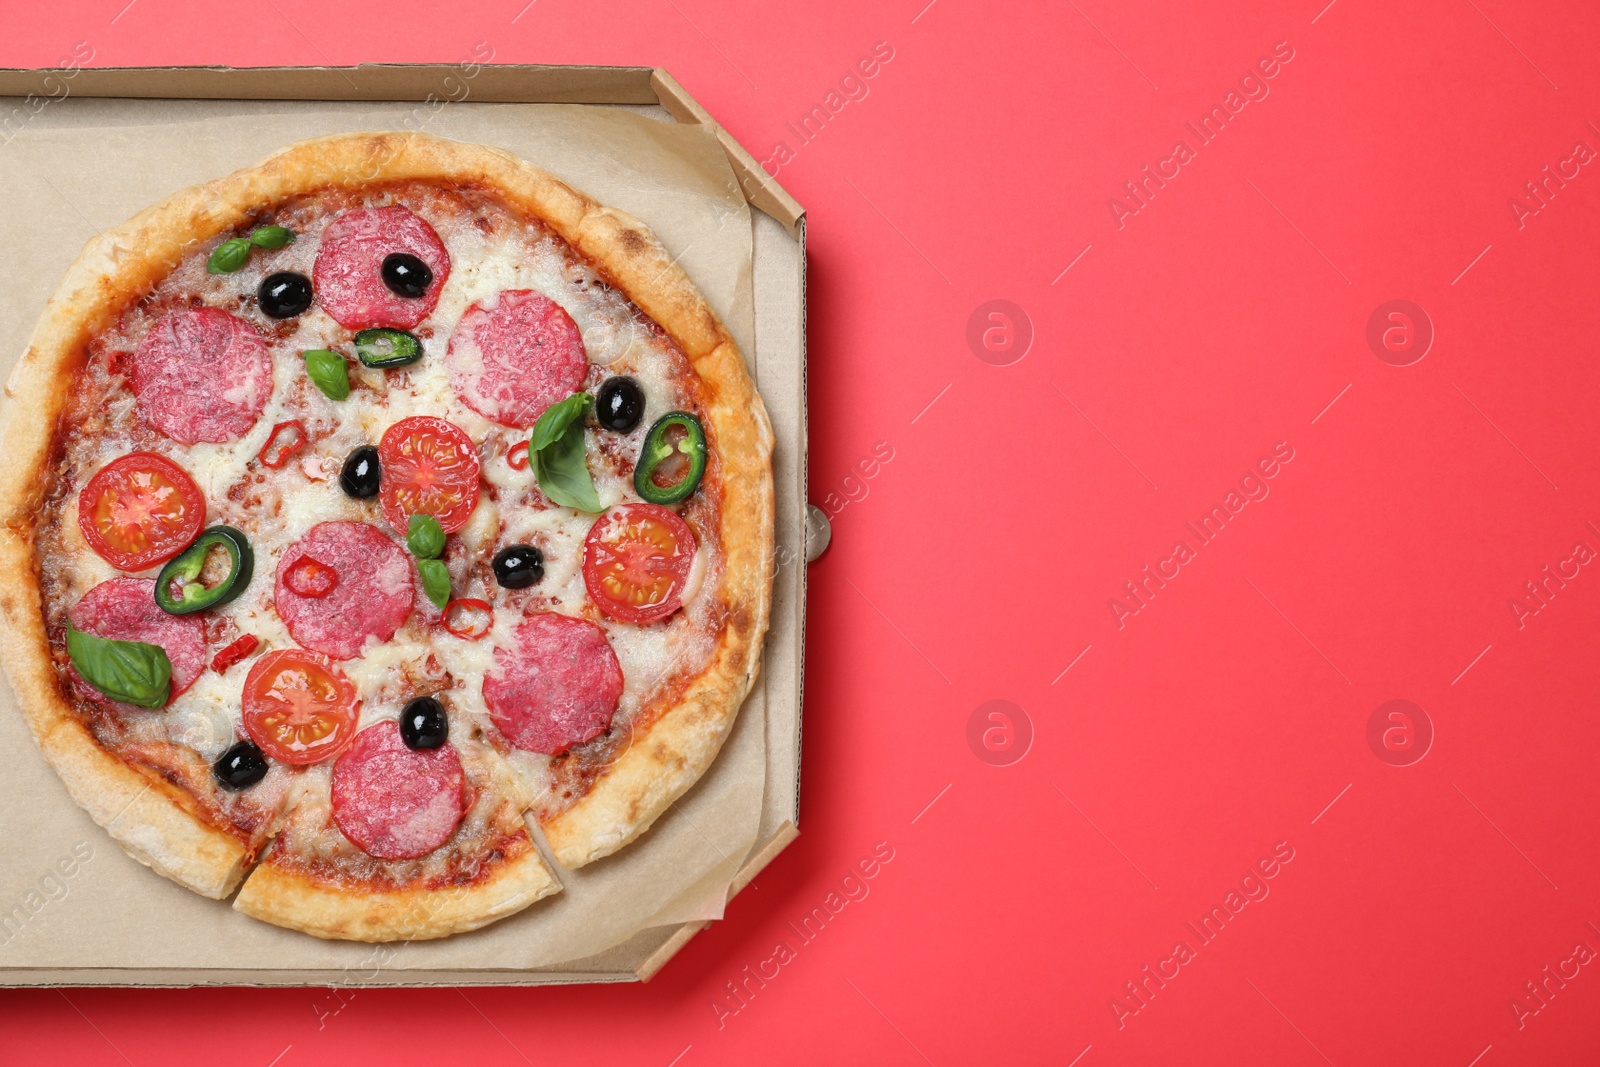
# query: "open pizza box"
[[83, 149]]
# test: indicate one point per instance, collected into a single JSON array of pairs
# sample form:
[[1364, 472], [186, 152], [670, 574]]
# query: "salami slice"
[[393, 802], [363, 588], [556, 685], [202, 374], [124, 609], [513, 355], [348, 274]]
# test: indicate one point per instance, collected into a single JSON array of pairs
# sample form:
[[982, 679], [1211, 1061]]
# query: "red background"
[[1228, 713]]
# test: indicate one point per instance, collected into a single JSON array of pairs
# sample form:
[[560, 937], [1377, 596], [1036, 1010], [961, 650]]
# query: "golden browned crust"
[[286, 897], [148, 816], [120, 265], [663, 761]]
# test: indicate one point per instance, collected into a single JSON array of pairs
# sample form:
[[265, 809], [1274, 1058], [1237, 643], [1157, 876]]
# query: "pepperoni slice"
[[555, 686], [348, 274], [513, 355], [393, 802], [371, 598], [202, 375], [124, 609]]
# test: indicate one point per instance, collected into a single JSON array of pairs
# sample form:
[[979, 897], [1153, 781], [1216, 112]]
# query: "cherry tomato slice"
[[468, 619], [636, 562], [298, 707], [140, 510], [285, 440], [237, 652], [430, 467], [307, 577]]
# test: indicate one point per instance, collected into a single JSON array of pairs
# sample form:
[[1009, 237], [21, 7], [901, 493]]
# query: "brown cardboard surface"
[[466, 81], [431, 84], [614, 915]]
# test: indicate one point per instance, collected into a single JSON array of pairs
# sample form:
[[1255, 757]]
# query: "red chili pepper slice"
[[309, 578], [517, 457], [235, 652], [285, 440], [468, 619]]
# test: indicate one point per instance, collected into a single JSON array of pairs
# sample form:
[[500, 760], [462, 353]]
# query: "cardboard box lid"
[[426, 82]]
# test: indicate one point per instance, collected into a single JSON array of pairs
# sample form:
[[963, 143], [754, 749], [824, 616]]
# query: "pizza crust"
[[150, 818], [123, 263], [284, 897]]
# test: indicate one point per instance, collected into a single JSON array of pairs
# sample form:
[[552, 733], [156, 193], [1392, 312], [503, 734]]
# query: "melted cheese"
[[277, 507]]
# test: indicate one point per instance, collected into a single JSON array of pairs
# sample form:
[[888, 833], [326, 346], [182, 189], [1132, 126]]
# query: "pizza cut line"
[[370, 513]]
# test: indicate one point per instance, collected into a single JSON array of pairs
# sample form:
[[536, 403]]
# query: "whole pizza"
[[375, 520]]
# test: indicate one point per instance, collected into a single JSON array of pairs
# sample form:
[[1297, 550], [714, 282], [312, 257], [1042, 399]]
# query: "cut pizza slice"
[[161, 795], [607, 722], [395, 842]]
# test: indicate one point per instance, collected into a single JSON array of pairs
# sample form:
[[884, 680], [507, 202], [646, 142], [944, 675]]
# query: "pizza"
[[385, 527]]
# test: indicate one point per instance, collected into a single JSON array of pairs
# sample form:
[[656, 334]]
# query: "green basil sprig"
[[556, 451], [130, 671], [425, 538], [229, 256], [329, 372], [435, 581], [271, 236], [233, 253]]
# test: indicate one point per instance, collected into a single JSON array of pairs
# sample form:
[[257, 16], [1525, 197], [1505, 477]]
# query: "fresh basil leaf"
[[329, 372], [563, 474], [435, 581], [229, 256], [556, 452], [130, 671], [271, 236], [555, 420], [425, 538]]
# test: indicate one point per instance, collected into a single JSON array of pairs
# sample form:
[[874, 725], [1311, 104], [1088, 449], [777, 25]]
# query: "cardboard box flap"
[[760, 188], [470, 79]]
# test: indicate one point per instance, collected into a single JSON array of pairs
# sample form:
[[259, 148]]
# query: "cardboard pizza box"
[[66, 889]]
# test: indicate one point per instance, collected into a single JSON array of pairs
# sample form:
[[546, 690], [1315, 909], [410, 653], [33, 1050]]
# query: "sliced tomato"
[[636, 562], [298, 707], [430, 467], [140, 510]]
